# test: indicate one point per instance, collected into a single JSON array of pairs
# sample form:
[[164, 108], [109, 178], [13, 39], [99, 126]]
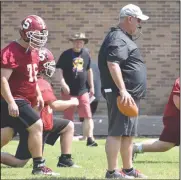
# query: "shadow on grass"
[[156, 162]]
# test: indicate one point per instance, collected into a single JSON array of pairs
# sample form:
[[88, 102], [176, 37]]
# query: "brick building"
[[159, 44]]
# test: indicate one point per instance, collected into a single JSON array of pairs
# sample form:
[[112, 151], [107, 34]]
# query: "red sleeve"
[[48, 95], [46, 90], [47, 118], [176, 87], [8, 59]]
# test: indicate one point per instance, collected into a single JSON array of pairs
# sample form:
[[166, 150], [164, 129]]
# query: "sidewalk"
[[148, 125]]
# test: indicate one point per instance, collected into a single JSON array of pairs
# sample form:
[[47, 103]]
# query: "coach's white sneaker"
[[117, 175], [135, 173]]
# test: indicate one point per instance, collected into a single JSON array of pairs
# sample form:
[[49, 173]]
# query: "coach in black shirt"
[[122, 73], [74, 71]]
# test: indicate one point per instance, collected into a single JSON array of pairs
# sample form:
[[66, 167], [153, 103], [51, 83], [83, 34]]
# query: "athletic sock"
[[128, 170], [111, 172], [140, 148], [37, 162], [65, 156]]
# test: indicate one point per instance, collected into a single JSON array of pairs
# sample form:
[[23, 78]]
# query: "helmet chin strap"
[[27, 49], [139, 28]]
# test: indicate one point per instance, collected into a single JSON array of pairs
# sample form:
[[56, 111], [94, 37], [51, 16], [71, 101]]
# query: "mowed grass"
[[93, 163]]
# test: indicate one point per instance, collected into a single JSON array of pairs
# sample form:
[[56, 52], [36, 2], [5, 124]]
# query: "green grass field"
[[93, 163]]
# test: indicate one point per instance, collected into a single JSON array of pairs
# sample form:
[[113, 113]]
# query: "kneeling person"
[[170, 136], [53, 128]]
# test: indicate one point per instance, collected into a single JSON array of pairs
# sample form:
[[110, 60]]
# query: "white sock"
[[140, 148]]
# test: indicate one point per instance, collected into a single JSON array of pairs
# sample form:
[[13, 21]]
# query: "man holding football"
[[122, 73]]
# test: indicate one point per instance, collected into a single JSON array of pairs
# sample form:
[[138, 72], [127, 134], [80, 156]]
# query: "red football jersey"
[[171, 111], [48, 95], [46, 115], [23, 79], [46, 90]]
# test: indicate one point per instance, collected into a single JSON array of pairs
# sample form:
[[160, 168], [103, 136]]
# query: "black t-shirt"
[[119, 47], [75, 66]]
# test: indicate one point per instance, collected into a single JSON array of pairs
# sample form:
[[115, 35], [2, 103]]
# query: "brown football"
[[130, 111]]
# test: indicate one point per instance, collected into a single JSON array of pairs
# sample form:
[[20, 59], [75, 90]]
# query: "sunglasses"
[[138, 20]]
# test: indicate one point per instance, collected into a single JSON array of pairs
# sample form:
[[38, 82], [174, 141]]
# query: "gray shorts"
[[119, 124]]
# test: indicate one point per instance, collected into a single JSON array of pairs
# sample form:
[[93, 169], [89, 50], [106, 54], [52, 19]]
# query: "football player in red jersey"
[[170, 136], [53, 128], [19, 67]]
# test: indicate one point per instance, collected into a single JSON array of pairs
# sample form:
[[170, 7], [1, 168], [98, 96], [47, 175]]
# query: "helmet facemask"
[[37, 39]]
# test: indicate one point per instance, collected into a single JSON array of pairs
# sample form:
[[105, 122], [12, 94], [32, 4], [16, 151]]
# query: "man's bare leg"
[[88, 128], [35, 139], [10, 160], [126, 152], [7, 134], [112, 149], [6, 158], [84, 131], [66, 139], [153, 146]]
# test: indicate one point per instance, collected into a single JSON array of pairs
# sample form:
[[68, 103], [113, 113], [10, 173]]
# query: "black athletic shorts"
[[49, 137], [27, 115]]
